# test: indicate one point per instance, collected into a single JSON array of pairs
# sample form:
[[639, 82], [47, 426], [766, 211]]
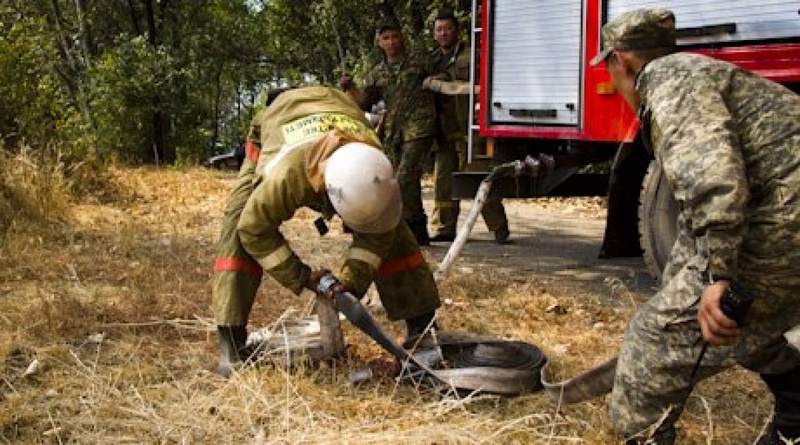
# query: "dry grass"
[[105, 338]]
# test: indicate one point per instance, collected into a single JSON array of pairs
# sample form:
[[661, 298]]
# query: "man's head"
[[390, 39], [362, 188], [445, 31], [631, 40]]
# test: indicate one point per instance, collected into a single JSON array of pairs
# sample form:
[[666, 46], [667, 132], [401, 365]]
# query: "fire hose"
[[529, 166], [475, 363], [481, 354], [593, 383]]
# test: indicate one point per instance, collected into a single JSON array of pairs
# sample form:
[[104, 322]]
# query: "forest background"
[[174, 81]]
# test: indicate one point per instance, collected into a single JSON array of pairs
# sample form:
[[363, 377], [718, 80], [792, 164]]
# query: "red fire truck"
[[538, 95]]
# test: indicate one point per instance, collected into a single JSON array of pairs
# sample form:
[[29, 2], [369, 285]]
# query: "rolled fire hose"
[[593, 383], [479, 364]]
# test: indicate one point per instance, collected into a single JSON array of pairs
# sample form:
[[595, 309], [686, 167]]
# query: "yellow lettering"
[[316, 125]]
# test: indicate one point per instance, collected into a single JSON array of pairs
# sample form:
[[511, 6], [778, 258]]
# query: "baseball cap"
[[637, 30], [385, 24]]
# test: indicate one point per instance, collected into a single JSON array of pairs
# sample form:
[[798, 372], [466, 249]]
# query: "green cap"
[[385, 24], [637, 30]]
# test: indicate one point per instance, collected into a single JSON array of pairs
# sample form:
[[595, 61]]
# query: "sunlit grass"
[[105, 337]]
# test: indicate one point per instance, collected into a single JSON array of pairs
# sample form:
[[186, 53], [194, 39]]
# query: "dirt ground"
[[553, 239], [106, 333]]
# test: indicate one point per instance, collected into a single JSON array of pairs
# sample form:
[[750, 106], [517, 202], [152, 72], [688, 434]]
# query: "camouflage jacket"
[[299, 131], [411, 112], [729, 143], [452, 109]]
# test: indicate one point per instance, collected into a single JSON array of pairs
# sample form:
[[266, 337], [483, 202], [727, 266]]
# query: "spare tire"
[[658, 220]]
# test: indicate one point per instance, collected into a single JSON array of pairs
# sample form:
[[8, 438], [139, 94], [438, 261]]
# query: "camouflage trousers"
[[403, 280], [663, 340], [408, 161], [450, 158]]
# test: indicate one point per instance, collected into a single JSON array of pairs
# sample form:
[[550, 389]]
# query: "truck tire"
[[658, 216]]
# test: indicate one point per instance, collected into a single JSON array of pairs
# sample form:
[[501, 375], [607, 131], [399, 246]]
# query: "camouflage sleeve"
[[370, 91], [271, 203], [364, 258], [704, 165]]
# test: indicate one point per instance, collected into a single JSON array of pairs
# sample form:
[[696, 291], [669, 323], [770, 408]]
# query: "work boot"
[[233, 352], [417, 326], [782, 436], [419, 227], [501, 234], [443, 238], [786, 418]]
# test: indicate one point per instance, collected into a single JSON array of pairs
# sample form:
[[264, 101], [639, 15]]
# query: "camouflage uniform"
[[451, 156], [409, 127], [298, 132], [729, 145]]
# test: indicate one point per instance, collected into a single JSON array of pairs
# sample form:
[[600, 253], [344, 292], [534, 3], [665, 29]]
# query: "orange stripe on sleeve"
[[403, 264], [231, 264]]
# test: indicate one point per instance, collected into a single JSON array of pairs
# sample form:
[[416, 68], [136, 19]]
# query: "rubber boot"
[[417, 326], [419, 227], [786, 419], [232, 351]]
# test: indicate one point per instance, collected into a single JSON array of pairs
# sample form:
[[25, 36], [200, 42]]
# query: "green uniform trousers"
[[450, 158], [409, 162]]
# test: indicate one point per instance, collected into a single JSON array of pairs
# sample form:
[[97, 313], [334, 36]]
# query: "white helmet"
[[360, 183]]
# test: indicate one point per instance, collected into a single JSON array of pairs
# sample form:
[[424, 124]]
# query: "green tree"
[[167, 80]]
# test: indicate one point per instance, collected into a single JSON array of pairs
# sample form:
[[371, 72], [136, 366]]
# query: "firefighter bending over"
[[312, 147], [729, 144]]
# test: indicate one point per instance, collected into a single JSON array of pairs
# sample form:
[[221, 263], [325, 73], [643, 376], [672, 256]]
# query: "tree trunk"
[[215, 107], [157, 139]]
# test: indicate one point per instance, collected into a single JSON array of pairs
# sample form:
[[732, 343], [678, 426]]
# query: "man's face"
[[620, 68], [391, 42], [445, 33]]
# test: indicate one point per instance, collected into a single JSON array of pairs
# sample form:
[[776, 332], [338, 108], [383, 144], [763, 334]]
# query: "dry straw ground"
[[105, 336]]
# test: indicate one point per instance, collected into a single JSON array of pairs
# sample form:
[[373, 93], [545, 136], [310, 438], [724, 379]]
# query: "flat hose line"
[[490, 377], [593, 383]]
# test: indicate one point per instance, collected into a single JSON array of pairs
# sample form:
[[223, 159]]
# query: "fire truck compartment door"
[[722, 21], [535, 55]]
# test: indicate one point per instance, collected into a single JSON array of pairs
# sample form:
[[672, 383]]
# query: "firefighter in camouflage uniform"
[[729, 144], [410, 122], [452, 61], [312, 147]]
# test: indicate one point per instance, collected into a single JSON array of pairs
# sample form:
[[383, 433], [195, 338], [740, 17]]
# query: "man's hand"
[[325, 283], [716, 327], [432, 83], [346, 82], [313, 279]]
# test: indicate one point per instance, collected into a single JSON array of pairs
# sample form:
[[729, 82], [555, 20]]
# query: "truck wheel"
[[658, 216]]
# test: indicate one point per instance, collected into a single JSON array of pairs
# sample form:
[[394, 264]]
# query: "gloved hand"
[[313, 279], [346, 82], [324, 283]]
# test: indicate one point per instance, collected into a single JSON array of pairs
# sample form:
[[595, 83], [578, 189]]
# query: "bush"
[[33, 187]]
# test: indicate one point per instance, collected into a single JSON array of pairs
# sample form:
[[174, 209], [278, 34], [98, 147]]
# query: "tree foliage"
[[169, 80]]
